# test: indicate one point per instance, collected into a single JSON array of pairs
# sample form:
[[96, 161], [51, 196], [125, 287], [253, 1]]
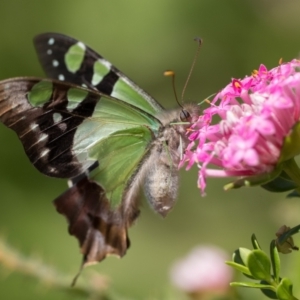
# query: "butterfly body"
[[94, 126]]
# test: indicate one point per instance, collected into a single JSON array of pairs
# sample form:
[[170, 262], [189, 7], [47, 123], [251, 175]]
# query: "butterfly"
[[92, 125]]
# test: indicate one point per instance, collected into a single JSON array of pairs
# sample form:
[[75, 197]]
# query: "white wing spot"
[[42, 138], [57, 117], [33, 126], [62, 126], [81, 45], [51, 41], [52, 170], [55, 63], [84, 85], [44, 152], [49, 51], [61, 77]]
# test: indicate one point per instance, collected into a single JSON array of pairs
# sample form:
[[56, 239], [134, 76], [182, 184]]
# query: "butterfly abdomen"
[[161, 187], [161, 182]]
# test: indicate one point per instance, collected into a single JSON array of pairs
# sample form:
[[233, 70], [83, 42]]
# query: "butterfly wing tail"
[[100, 230]]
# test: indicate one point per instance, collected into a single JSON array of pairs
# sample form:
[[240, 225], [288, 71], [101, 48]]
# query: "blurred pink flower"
[[255, 115], [202, 270]]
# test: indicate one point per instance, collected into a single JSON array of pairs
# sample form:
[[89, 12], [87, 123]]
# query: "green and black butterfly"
[[91, 124]]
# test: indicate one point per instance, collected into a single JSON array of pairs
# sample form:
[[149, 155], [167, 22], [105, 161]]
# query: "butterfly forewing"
[[38, 112], [65, 129], [70, 60]]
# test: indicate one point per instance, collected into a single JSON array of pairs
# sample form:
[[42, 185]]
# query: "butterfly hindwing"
[[70, 60], [100, 230]]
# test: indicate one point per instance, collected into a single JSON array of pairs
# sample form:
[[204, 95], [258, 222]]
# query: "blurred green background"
[[144, 38]]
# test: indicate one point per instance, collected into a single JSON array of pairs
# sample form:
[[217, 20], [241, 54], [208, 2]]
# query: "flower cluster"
[[202, 271], [243, 131]]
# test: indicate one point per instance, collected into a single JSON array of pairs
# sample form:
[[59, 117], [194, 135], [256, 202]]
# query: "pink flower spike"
[[262, 70], [237, 86], [255, 115]]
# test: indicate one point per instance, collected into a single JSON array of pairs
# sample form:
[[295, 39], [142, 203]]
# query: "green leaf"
[[254, 241], [244, 253], [291, 167], [236, 257], [285, 290], [282, 183], [259, 265], [270, 293], [293, 194], [252, 285], [260, 179], [291, 144], [239, 264], [239, 267], [266, 288], [275, 260]]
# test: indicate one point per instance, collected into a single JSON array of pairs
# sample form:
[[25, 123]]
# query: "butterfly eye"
[[185, 116]]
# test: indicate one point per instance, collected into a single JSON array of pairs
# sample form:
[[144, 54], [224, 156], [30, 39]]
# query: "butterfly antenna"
[[172, 74], [199, 41]]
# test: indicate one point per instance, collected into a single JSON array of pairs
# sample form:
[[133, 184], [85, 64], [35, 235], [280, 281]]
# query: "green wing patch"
[[119, 156]]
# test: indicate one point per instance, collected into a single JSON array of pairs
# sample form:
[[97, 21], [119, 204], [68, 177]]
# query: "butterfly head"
[[189, 113]]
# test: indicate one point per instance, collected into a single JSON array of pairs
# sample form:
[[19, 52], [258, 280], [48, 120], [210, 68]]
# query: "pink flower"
[[202, 270], [256, 117]]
